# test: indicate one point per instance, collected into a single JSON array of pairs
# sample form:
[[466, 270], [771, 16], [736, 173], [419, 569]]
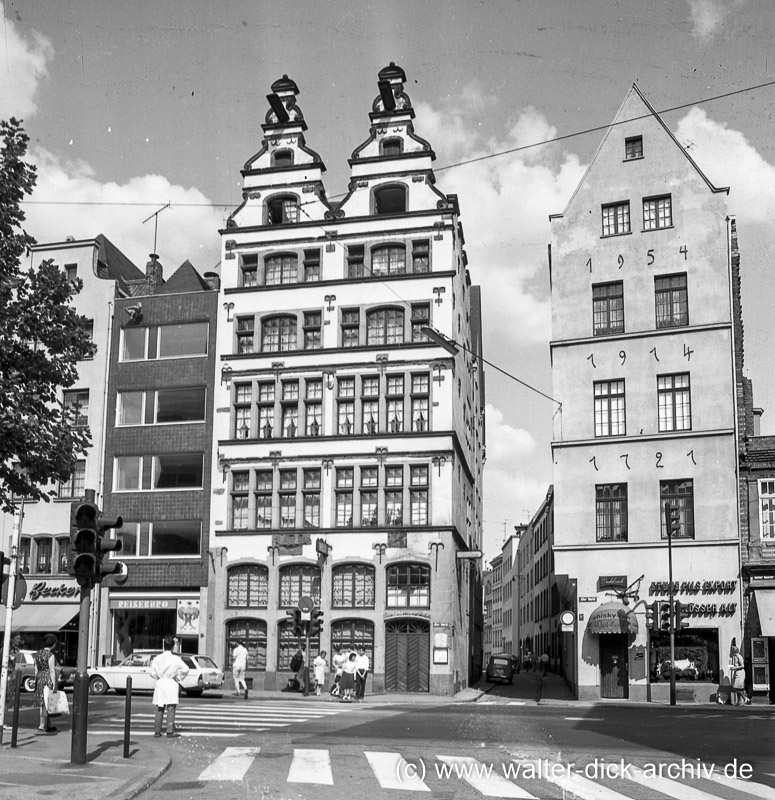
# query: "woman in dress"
[[45, 676], [348, 679], [320, 665], [737, 676]]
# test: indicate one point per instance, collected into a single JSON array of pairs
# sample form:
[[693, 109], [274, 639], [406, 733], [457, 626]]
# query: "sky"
[[130, 106]]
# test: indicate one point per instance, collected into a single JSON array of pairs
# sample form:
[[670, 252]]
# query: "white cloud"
[[708, 15], [91, 207], [505, 443], [22, 68]]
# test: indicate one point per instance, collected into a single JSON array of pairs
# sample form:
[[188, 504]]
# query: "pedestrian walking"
[[239, 663], [45, 678], [545, 662], [361, 671], [737, 677], [348, 679], [320, 667], [167, 670]]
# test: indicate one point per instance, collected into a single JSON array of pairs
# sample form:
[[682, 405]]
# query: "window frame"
[[766, 515], [352, 585], [671, 491], [122, 348], [654, 222], [384, 198], [610, 408], [604, 308], [180, 326], [257, 574], [610, 213], [610, 508], [152, 552], [673, 297], [277, 202], [186, 390], [668, 401], [633, 148], [403, 590]]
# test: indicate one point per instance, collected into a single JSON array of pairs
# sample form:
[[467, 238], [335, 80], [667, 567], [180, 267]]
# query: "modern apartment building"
[[643, 350], [348, 444]]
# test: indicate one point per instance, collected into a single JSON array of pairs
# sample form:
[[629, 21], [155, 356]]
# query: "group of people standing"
[[350, 669]]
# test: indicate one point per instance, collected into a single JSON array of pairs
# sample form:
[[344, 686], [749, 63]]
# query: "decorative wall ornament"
[[418, 178], [253, 194], [309, 188], [229, 307]]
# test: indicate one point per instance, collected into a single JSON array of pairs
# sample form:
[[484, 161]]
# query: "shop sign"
[[125, 604], [708, 609], [693, 587], [188, 617], [611, 582], [48, 590]]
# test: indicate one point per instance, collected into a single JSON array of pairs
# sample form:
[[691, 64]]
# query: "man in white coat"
[[167, 670]]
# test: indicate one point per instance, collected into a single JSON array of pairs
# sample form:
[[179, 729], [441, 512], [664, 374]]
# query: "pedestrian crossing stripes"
[[220, 720], [525, 779]]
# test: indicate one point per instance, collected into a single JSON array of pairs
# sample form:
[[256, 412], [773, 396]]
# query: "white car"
[[203, 673]]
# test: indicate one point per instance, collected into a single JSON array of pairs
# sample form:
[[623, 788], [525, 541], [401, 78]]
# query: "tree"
[[42, 339]]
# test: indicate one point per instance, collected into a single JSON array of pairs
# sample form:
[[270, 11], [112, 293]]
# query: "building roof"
[[112, 263], [184, 279]]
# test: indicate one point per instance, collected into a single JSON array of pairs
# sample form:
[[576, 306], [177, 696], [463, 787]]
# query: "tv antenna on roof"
[[155, 215]]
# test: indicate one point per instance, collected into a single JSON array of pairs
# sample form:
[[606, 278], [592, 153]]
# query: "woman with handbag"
[[45, 678], [737, 676]]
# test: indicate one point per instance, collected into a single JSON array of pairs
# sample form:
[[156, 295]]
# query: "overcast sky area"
[[130, 106]]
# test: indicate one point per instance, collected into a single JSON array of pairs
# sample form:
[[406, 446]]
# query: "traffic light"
[[680, 622], [4, 562], [83, 550], [107, 545], [294, 618], [664, 616], [316, 622], [672, 519], [652, 612]]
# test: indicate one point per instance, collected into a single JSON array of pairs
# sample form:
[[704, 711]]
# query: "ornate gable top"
[[392, 97]]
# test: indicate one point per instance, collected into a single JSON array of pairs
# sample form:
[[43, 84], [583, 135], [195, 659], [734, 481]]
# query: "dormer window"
[[282, 158], [390, 200], [391, 147], [282, 210], [633, 147]]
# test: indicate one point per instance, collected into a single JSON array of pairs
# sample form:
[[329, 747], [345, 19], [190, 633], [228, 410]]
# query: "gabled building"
[[643, 350], [158, 465], [51, 605], [348, 451]]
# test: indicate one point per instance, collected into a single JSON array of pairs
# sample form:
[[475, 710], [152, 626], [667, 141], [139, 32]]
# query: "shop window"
[[181, 405], [176, 538], [696, 655], [251, 632], [188, 339], [247, 586]]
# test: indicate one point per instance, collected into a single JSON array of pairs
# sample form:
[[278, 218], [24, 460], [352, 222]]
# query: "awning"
[[612, 618], [765, 605], [48, 617]]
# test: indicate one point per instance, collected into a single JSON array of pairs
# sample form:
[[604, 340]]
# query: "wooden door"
[[407, 656], [614, 677]]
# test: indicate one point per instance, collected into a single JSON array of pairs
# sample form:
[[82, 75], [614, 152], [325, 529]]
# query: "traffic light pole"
[[306, 661], [81, 687], [670, 600]]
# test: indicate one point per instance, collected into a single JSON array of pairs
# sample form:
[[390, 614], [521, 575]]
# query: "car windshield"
[[206, 662]]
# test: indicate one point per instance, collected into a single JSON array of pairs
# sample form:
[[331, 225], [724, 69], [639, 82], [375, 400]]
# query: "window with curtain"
[[247, 586]]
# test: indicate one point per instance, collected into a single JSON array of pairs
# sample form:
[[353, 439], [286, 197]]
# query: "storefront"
[[140, 621], [51, 606], [760, 653]]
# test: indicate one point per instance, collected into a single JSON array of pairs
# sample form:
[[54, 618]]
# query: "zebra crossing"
[[222, 720], [524, 778]]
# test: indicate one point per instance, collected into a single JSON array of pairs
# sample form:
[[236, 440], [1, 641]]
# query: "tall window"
[[265, 410], [312, 265], [45, 550], [346, 406], [76, 403], [253, 633], [418, 494], [421, 256], [278, 334], [395, 403], [408, 586], [609, 408], [290, 409], [350, 327], [281, 269], [608, 308], [282, 210], [130, 408], [25, 550], [311, 491], [245, 334], [368, 496], [767, 510], [247, 586], [680, 495], [616, 218], [287, 498], [134, 344], [388, 260], [421, 318], [344, 497], [370, 404], [297, 580], [288, 644], [355, 261], [611, 512], [240, 487], [264, 498], [385, 326], [420, 401], [312, 330], [672, 301], [657, 213], [243, 398], [674, 402], [75, 486], [353, 586], [314, 407], [394, 495], [249, 270]]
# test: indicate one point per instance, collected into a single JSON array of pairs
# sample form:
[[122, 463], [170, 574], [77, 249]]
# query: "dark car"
[[500, 668], [25, 667]]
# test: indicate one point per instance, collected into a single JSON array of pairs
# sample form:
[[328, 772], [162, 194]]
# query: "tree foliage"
[[42, 339]]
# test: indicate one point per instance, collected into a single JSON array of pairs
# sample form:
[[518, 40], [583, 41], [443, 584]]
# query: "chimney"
[[153, 274], [757, 421], [213, 280]]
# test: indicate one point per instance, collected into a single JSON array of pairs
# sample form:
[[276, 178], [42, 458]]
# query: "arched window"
[[353, 634], [252, 632], [385, 326], [288, 644], [282, 158], [390, 199], [247, 586], [353, 586], [297, 580], [392, 146], [278, 334], [280, 269], [282, 209], [409, 586], [388, 260]]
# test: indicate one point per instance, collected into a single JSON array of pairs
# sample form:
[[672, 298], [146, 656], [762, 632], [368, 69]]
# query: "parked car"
[[25, 663], [500, 668], [203, 674]]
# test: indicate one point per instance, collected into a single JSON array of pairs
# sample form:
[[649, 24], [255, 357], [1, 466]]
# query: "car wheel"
[[194, 692], [98, 685], [29, 684]]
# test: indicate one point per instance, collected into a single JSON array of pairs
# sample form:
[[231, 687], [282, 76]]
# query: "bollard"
[[17, 696], [127, 715]]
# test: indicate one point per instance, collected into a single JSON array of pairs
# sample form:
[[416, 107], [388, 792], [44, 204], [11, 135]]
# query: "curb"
[[142, 785]]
